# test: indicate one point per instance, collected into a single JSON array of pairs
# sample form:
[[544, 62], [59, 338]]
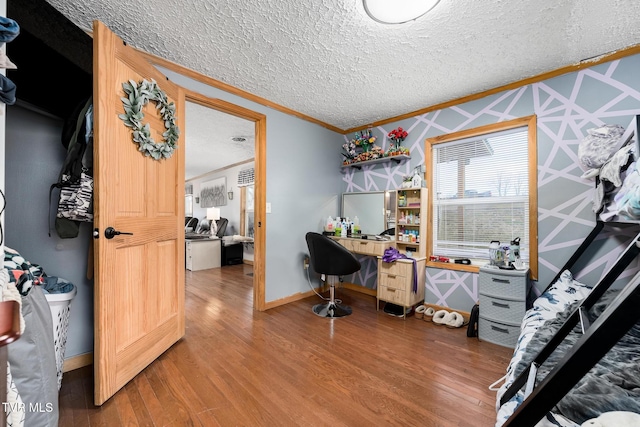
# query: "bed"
[[549, 328]]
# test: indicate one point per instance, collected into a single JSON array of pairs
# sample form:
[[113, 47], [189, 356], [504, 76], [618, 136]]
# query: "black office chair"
[[388, 232], [222, 226], [191, 224], [329, 258]]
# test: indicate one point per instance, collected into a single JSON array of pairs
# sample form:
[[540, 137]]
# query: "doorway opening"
[[225, 178]]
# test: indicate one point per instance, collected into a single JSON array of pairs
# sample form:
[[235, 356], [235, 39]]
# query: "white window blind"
[[480, 193], [246, 177]]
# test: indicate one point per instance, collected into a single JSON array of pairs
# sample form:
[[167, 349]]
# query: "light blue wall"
[[303, 187], [34, 156], [305, 181], [566, 107]]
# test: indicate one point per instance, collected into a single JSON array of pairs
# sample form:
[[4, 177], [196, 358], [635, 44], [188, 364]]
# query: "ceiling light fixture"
[[398, 11]]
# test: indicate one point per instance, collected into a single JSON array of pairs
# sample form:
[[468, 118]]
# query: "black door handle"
[[111, 232]]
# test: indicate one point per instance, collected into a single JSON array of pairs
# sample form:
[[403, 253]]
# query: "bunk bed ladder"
[[596, 341], [579, 251], [620, 316]]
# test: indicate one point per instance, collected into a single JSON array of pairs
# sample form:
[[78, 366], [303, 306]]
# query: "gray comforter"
[[612, 385]]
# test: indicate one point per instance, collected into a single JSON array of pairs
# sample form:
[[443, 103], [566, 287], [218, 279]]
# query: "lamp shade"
[[213, 213], [397, 11]]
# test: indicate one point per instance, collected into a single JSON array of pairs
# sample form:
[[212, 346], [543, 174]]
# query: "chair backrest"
[[192, 223], [329, 257], [388, 232], [222, 226]]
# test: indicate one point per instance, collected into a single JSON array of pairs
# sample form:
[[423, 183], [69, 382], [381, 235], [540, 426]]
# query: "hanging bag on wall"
[[75, 201], [75, 181]]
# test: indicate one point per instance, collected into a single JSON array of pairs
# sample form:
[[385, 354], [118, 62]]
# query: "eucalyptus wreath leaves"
[[139, 95]]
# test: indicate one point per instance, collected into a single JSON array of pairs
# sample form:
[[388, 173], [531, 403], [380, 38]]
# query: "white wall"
[[231, 210]]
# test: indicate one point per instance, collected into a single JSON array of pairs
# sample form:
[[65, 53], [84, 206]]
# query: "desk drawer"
[[367, 247], [348, 244], [397, 296], [394, 281], [396, 268]]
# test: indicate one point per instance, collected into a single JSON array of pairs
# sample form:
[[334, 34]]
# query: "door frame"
[[260, 186]]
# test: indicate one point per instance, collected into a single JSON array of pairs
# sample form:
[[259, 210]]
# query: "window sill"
[[473, 268]]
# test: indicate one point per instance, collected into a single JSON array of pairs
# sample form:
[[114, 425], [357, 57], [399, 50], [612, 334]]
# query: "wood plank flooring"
[[289, 367]]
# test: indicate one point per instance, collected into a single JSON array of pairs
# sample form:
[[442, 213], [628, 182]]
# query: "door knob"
[[111, 232]]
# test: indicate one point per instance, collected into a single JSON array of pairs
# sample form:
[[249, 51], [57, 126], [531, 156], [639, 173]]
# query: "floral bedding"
[[554, 300]]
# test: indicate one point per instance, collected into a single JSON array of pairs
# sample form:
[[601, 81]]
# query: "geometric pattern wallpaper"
[[566, 107]]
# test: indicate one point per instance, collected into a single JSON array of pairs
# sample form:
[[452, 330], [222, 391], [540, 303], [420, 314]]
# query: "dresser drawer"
[[503, 310], [394, 281], [393, 295], [497, 333], [506, 284], [396, 268]]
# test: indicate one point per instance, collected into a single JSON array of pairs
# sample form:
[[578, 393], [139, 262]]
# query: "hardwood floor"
[[289, 367]]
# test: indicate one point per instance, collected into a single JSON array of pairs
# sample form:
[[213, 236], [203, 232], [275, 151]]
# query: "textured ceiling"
[[328, 60], [209, 145]]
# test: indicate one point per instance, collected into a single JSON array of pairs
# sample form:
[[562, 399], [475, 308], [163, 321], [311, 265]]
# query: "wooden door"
[[139, 278]]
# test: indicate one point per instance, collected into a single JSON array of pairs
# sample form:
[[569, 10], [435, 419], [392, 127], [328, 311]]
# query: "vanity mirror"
[[374, 209]]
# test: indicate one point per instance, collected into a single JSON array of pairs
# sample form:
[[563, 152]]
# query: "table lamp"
[[213, 214]]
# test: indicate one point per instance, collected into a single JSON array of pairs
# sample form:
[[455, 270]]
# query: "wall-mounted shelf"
[[396, 159]]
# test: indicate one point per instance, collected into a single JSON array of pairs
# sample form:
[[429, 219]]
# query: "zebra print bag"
[[76, 200]]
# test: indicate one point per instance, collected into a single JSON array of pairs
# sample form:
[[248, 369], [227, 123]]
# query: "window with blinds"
[[246, 177], [480, 192]]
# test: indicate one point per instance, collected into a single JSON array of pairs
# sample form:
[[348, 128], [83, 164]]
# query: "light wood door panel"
[[139, 278]]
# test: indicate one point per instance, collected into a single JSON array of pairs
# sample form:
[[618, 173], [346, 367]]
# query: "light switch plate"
[[268, 207]]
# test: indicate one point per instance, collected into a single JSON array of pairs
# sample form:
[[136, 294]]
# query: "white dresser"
[[201, 254]]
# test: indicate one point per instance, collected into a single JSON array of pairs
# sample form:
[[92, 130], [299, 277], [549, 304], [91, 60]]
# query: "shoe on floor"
[[454, 320], [428, 314], [439, 317]]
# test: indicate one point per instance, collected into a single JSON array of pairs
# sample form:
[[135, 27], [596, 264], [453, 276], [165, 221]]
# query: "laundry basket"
[[60, 305]]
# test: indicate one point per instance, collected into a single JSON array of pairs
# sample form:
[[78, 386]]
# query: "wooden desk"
[[202, 254], [370, 247]]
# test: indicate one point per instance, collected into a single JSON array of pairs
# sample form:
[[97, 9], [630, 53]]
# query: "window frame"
[[530, 122]]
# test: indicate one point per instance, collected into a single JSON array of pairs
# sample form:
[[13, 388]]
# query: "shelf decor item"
[[364, 140], [349, 152], [362, 150], [396, 136]]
